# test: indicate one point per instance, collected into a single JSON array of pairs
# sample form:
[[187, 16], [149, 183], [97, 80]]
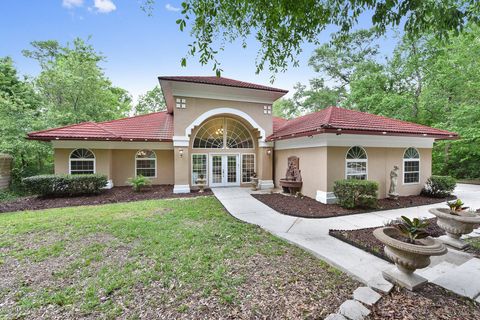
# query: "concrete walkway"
[[312, 234]]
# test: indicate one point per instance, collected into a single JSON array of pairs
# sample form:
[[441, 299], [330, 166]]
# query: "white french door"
[[224, 170]]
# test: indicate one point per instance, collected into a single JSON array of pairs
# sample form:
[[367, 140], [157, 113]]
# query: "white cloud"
[[105, 6], [72, 3], [169, 7]]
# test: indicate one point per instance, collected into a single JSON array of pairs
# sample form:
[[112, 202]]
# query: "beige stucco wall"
[[322, 166], [312, 165], [380, 163], [198, 106], [119, 164]]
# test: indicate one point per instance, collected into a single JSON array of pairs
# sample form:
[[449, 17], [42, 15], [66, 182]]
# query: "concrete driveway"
[[312, 234]]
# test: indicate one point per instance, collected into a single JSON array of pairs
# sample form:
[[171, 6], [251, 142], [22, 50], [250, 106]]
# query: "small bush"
[[356, 193], [65, 185], [139, 183], [439, 186]]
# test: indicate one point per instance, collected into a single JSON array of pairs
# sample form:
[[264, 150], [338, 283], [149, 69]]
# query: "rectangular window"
[[357, 170], [146, 168], [181, 103], [82, 167], [199, 167], [411, 171], [267, 109], [248, 167]]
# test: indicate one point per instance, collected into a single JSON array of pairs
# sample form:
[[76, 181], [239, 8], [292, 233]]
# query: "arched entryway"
[[224, 150]]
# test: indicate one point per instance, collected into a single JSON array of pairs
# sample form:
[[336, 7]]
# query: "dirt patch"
[[114, 195], [430, 303], [365, 240], [310, 208], [281, 287]]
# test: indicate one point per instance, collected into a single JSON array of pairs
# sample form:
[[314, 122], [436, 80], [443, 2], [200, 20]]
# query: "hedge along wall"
[[5, 170]]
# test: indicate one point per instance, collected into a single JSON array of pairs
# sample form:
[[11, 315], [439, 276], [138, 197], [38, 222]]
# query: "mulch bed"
[[365, 240], [114, 195], [429, 303], [310, 208]]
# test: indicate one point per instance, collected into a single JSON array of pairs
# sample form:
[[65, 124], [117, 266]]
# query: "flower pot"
[[455, 225], [201, 183], [407, 257]]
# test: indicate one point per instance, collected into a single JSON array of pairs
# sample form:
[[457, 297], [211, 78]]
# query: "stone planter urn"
[[254, 182], [455, 224], [201, 182], [407, 257]]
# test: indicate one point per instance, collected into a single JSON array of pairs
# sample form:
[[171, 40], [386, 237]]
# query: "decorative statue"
[[393, 183]]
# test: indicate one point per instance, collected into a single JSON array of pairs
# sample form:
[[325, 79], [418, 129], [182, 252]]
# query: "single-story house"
[[224, 130]]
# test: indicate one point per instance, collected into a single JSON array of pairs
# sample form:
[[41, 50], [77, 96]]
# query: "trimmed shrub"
[[139, 183], [65, 185], [439, 186], [356, 193]]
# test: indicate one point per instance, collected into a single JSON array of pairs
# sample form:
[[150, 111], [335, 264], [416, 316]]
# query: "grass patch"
[[192, 260]]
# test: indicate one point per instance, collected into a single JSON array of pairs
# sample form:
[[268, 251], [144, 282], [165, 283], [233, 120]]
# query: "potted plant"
[[201, 183], [254, 181], [456, 221], [409, 246]]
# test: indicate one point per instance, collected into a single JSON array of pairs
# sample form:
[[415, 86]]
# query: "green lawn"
[[183, 258]]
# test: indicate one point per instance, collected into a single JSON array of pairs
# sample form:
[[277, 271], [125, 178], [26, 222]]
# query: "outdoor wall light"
[[269, 151], [181, 153]]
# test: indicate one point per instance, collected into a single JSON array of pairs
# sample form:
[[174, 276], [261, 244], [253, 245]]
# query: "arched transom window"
[[356, 163], [82, 161], [411, 166], [223, 133], [146, 163]]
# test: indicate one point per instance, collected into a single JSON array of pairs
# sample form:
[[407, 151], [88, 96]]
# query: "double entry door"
[[224, 170]]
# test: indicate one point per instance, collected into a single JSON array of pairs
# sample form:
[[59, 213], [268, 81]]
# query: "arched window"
[[411, 166], [146, 163], [223, 133], [82, 161], [356, 163]]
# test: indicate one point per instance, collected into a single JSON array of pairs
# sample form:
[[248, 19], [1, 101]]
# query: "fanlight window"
[[223, 133], [356, 163], [82, 161], [146, 163], [411, 166]]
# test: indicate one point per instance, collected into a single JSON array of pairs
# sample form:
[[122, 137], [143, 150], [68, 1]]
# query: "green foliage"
[[412, 229], [456, 205], [282, 27], [439, 186], [65, 185], [73, 85], [70, 88], [151, 101], [20, 113], [139, 183], [354, 193]]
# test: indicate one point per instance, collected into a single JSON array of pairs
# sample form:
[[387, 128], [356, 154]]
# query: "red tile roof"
[[150, 127], [220, 81], [335, 119]]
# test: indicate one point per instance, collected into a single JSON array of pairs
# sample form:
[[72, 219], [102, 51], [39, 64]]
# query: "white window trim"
[[241, 165], [206, 167], [82, 159], [347, 161], [156, 164], [411, 160]]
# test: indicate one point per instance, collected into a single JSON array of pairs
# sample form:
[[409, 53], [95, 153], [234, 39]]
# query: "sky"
[[138, 47]]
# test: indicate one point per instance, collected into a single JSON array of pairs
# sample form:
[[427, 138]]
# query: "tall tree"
[[151, 101], [20, 112], [74, 86], [282, 26]]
